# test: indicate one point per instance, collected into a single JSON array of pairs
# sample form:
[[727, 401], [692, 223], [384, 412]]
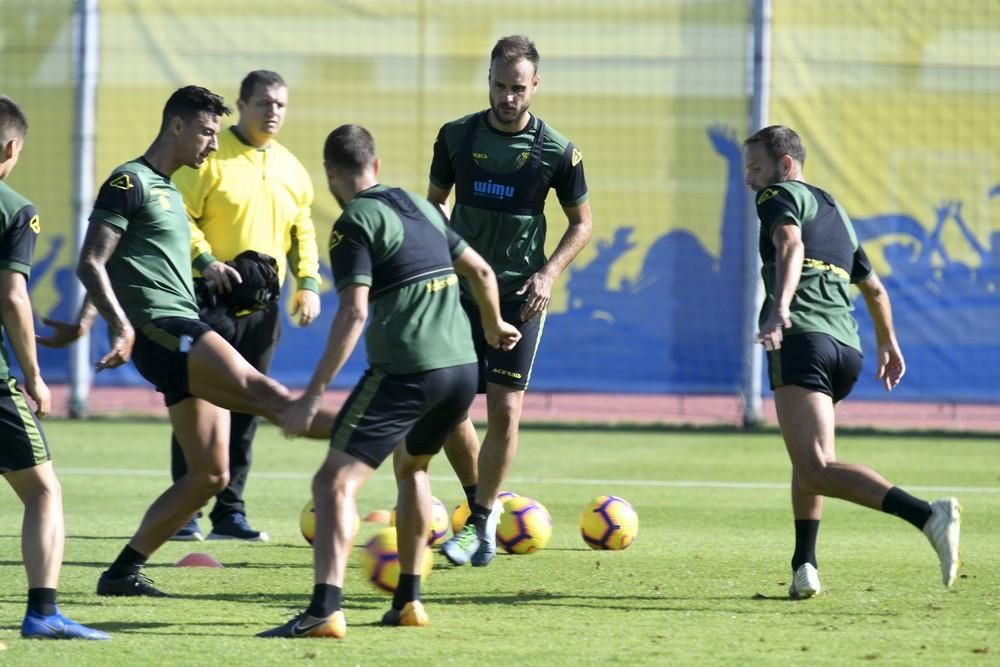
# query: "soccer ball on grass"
[[524, 527], [609, 522], [380, 560]]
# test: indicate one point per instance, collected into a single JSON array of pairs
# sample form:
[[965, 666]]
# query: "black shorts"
[[815, 361], [420, 408], [160, 354], [22, 441], [511, 368]]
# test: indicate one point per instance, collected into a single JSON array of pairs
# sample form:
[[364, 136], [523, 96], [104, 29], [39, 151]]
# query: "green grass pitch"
[[704, 583]]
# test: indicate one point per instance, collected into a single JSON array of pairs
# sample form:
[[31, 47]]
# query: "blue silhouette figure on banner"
[[946, 312], [676, 328]]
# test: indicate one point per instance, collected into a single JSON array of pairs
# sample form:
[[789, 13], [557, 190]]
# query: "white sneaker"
[[805, 582], [942, 529]]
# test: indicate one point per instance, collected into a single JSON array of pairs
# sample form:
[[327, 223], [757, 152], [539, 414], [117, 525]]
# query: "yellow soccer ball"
[[609, 522], [307, 522], [380, 561], [524, 527]]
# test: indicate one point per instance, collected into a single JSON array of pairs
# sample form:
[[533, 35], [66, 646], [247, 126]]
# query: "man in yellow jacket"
[[252, 194]]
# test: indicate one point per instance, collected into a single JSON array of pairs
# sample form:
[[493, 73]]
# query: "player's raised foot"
[[235, 527], [137, 584], [304, 625], [56, 626], [462, 545], [191, 532], [942, 529], [412, 614], [805, 582], [488, 545]]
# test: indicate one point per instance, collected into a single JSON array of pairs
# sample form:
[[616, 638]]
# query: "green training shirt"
[[398, 244], [150, 269], [833, 259], [513, 244], [19, 228]]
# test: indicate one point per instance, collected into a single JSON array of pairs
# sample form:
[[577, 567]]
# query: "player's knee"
[[503, 422], [812, 477], [44, 495], [209, 482]]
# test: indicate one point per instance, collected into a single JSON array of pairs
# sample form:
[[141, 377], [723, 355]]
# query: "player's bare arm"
[[483, 283], [64, 333], [891, 365], [348, 325], [789, 254], [439, 197], [538, 288], [98, 247], [15, 313]]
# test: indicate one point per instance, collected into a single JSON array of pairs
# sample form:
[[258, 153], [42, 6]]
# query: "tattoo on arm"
[[98, 247]]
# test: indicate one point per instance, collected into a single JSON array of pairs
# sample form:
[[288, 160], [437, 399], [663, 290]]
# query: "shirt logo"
[[335, 238], [493, 190], [35, 225], [122, 182], [521, 159], [577, 157], [770, 193], [479, 156]]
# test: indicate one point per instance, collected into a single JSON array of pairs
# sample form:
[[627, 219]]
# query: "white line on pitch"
[[513, 481]]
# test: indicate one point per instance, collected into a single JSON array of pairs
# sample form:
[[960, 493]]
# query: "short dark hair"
[[264, 76], [13, 122], [779, 140], [189, 101], [513, 49], [349, 147]]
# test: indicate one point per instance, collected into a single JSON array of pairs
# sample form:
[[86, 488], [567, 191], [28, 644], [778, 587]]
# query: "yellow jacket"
[[246, 198]]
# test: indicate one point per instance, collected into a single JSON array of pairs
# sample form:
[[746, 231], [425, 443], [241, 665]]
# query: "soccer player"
[[811, 257], [25, 461], [391, 251], [252, 194], [502, 162], [136, 265]]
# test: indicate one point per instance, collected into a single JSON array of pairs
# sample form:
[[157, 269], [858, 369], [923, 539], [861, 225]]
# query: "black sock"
[[470, 493], [408, 590], [325, 600], [905, 506], [129, 561], [42, 601], [478, 517], [806, 531]]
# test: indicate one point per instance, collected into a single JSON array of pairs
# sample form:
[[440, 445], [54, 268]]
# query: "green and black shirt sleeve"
[[442, 169], [774, 205], [17, 247], [569, 180], [350, 255], [861, 269], [120, 198]]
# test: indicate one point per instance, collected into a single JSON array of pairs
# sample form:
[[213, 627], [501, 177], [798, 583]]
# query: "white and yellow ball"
[[609, 522], [380, 561], [525, 526]]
